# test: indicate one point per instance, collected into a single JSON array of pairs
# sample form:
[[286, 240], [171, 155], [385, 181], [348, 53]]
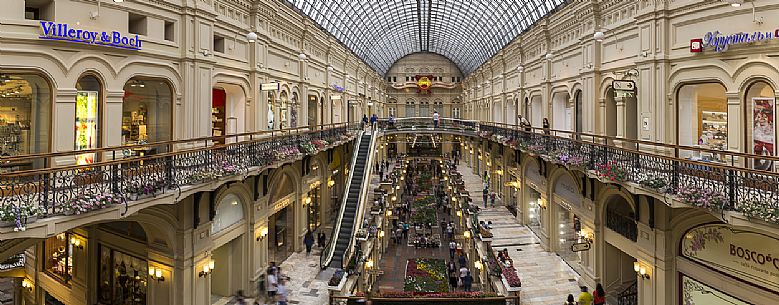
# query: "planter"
[[7, 223], [506, 285], [340, 284]]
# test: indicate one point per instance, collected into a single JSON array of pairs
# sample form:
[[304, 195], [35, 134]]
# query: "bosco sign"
[[749, 256], [63, 32]]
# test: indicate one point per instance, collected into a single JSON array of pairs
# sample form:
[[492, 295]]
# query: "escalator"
[[336, 251]]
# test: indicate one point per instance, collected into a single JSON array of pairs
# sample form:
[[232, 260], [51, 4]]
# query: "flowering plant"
[[307, 147], [760, 210], [653, 182], [201, 176], [485, 134], [415, 294], [611, 171], [703, 198], [426, 275], [319, 143], [88, 202], [511, 276], [536, 149], [228, 168], [8, 212], [146, 188]]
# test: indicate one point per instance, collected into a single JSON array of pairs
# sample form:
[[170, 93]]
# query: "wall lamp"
[[263, 233], [587, 236], [76, 242], [640, 270], [251, 36], [207, 269], [331, 182], [467, 234], [307, 201], [541, 203], [27, 284], [156, 274]]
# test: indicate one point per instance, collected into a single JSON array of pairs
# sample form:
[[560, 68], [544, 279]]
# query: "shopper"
[[364, 121], [435, 119], [546, 126], [463, 273], [308, 240], [452, 249], [585, 298], [484, 196], [321, 239], [239, 298], [599, 295], [462, 260], [492, 199], [374, 119], [570, 300], [468, 281], [281, 295], [453, 279], [273, 284], [406, 226]]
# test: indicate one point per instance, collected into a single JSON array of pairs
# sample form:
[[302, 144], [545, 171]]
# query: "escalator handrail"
[[362, 195], [327, 254]]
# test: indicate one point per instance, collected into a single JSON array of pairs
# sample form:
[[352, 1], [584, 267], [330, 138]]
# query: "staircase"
[[344, 228]]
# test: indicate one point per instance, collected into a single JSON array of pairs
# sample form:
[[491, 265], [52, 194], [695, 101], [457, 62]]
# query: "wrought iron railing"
[[731, 186], [427, 124], [623, 225], [629, 296], [75, 189]]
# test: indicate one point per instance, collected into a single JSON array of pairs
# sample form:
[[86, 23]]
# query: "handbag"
[[460, 282]]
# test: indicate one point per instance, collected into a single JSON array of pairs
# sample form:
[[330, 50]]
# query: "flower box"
[[508, 287]]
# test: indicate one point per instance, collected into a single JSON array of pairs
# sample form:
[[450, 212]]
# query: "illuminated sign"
[[720, 42], [270, 87], [63, 32], [16, 261]]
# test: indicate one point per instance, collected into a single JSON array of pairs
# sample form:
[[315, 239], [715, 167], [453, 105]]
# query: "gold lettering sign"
[[746, 255]]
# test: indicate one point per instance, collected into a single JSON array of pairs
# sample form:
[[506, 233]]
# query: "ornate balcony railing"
[[420, 124], [629, 296], [623, 225], [77, 189], [722, 182]]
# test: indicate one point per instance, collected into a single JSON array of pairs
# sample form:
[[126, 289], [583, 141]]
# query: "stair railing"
[[366, 182], [327, 253]]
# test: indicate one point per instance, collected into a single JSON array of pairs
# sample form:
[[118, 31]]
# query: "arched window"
[[87, 117], [312, 111], [228, 212], [293, 113], [577, 104], [147, 112], [25, 116]]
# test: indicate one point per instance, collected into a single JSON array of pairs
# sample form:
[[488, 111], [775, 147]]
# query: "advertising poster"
[[763, 131], [697, 293], [86, 125]]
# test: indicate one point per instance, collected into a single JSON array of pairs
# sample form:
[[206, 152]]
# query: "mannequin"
[[270, 118]]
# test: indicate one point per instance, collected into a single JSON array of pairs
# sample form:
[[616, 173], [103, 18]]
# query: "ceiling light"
[[598, 36], [735, 3], [251, 37]]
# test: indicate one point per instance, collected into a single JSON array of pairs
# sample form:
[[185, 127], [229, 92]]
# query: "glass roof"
[[468, 32]]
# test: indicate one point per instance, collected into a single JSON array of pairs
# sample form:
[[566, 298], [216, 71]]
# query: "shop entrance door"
[[281, 226], [218, 113]]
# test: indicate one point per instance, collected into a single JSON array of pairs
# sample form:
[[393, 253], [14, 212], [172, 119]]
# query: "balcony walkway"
[[546, 278]]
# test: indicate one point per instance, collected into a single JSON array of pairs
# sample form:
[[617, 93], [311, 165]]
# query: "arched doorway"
[[271, 115], [577, 105], [283, 110], [702, 115], [611, 113], [228, 105], [26, 101], [88, 112], [536, 116], [760, 101], [313, 111], [293, 112], [534, 202], [618, 273], [230, 246], [282, 223], [147, 113], [562, 112]]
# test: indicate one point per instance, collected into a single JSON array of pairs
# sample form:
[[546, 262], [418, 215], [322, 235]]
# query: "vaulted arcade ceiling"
[[469, 32]]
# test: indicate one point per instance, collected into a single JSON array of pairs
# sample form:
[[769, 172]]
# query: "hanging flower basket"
[[760, 210], [611, 172], [656, 183], [703, 198]]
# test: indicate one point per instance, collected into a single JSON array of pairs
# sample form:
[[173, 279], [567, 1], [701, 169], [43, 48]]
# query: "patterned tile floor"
[[546, 278]]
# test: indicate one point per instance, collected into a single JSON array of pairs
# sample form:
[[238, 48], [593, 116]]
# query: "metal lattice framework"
[[468, 32]]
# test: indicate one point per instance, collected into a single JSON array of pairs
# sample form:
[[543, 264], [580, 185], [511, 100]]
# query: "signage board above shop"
[[749, 256], [63, 32], [270, 87], [720, 42]]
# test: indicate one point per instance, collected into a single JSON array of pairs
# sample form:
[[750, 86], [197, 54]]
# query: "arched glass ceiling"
[[468, 32]]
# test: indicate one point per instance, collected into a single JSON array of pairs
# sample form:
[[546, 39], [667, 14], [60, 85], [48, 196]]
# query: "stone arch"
[[699, 74], [92, 63], [283, 181], [610, 195], [166, 73], [231, 79]]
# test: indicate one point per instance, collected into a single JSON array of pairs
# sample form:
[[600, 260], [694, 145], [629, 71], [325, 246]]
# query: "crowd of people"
[[597, 297]]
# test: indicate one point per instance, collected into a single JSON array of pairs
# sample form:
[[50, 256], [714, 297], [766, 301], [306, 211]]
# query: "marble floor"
[[546, 278]]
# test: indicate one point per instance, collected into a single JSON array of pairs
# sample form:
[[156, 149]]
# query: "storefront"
[[147, 113], [723, 264], [704, 108], [535, 202], [312, 110], [88, 112], [314, 208], [568, 203], [25, 117], [218, 113], [123, 267]]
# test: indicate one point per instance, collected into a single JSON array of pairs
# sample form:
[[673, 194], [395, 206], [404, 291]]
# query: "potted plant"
[[654, 182], [759, 210], [611, 171], [704, 198]]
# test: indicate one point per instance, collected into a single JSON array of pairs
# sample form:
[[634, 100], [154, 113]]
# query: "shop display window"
[[123, 278], [703, 119], [761, 115], [283, 111], [25, 118], [146, 114], [58, 253], [218, 114], [312, 109], [87, 118], [314, 209]]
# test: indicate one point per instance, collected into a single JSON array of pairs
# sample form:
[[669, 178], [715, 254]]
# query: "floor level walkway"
[[546, 278]]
